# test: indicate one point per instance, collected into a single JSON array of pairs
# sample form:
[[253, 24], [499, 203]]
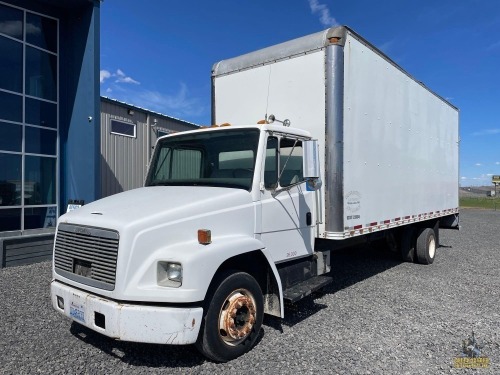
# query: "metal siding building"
[[128, 134]]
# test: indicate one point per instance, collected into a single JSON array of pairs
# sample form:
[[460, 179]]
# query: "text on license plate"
[[77, 312]]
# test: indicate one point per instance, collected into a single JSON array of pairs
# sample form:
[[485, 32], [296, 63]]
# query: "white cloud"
[[11, 27], [121, 77], [104, 75], [497, 163], [324, 13], [14, 28], [478, 164], [32, 29], [180, 103], [487, 132], [481, 180]]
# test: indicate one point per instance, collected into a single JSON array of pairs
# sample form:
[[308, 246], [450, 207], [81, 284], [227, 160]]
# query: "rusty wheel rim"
[[237, 317]]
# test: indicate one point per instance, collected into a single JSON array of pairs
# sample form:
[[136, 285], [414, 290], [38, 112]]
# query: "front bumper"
[[126, 321]]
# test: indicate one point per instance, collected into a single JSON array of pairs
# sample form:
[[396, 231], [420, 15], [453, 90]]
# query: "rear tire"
[[233, 317], [426, 246]]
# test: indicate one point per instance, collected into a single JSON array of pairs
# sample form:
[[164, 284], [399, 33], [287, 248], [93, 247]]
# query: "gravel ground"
[[380, 316]]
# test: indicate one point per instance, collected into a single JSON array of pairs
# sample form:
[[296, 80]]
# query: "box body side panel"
[[400, 143]]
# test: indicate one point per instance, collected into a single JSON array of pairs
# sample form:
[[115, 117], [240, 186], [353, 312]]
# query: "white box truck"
[[235, 220]]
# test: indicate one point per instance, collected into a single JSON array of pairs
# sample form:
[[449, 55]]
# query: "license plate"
[[77, 312]]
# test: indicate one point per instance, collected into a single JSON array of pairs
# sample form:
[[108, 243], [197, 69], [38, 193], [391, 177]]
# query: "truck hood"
[[161, 223], [156, 204]]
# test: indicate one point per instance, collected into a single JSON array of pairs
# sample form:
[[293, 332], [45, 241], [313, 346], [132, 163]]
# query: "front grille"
[[87, 255]]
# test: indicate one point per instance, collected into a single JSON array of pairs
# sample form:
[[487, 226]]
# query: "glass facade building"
[[49, 98], [28, 119]]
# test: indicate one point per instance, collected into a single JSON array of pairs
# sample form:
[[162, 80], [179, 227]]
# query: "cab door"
[[287, 207]]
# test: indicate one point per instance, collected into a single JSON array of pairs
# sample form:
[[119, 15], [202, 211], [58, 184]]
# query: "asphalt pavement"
[[380, 316]]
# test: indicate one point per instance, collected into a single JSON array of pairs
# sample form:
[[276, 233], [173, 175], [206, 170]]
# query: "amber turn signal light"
[[204, 236]]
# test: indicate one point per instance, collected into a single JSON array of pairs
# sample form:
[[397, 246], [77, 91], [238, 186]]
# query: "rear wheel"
[[233, 318], [426, 246]]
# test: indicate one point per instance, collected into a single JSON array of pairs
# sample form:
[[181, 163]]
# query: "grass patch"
[[483, 202]]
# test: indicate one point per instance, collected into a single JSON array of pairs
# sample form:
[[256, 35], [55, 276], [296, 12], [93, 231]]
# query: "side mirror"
[[311, 159], [311, 167]]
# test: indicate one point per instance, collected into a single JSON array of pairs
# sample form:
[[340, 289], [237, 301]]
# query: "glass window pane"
[[41, 113], [186, 164], [41, 74], [41, 32], [11, 65], [10, 219], [11, 107], [39, 217], [236, 160], [10, 180], [40, 180], [10, 137], [290, 162], [11, 21], [270, 175], [162, 170], [123, 128], [40, 141]]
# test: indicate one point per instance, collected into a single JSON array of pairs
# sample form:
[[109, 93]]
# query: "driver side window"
[[283, 162]]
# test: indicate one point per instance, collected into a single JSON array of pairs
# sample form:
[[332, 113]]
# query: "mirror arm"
[[286, 188]]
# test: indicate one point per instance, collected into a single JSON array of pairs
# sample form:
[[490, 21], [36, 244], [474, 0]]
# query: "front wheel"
[[233, 318]]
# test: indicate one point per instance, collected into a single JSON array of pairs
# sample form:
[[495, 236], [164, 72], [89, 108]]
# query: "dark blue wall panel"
[[79, 136]]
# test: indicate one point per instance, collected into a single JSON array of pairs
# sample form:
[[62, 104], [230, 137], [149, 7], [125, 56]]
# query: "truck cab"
[[195, 255]]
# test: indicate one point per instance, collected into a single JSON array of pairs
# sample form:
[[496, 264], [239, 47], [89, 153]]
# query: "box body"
[[388, 145]]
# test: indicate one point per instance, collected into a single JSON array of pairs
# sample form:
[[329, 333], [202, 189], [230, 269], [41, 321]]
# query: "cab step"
[[297, 292]]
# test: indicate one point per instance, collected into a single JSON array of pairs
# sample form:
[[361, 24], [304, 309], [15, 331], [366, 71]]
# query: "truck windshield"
[[224, 158]]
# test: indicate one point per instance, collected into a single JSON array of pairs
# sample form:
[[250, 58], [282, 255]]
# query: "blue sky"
[[158, 54]]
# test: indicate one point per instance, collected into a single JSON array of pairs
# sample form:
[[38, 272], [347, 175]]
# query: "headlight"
[[169, 274]]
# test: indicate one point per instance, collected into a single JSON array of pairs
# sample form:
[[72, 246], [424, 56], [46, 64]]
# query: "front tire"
[[233, 317]]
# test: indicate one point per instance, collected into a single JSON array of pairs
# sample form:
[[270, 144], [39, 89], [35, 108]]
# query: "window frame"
[[278, 173], [111, 121]]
